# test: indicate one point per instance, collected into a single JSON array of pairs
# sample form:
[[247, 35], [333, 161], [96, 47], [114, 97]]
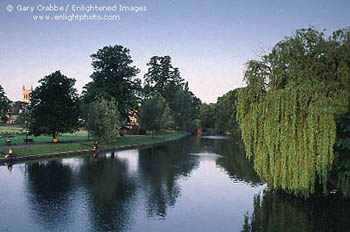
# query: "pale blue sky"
[[209, 40]]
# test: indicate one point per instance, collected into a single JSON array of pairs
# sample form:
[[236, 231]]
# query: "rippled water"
[[196, 184]]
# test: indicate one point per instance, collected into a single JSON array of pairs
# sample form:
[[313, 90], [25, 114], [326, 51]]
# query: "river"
[[194, 184]]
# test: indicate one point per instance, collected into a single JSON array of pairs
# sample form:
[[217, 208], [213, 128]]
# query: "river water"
[[194, 184]]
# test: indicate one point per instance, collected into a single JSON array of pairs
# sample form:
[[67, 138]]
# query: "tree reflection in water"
[[107, 188], [49, 185], [110, 192], [134, 189], [234, 161], [159, 169], [276, 211]]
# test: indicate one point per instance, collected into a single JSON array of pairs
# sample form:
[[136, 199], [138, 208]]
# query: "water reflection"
[[10, 164], [233, 159], [196, 184], [159, 170], [276, 211], [110, 186], [49, 185], [110, 191]]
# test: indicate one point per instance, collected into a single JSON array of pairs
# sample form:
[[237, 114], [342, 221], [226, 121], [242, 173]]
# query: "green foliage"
[[4, 105], [220, 115], [165, 80], [155, 114], [225, 111], [54, 106], [103, 119], [114, 77], [20, 109], [343, 177], [22, 117], [185, 109], [162, 78], [287, 111], [207, 116], [343, 133], [342, 147]]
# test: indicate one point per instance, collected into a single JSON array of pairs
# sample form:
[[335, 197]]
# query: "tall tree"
[[165, 80], [114, 77], [162, 78], [4, 105], [287, 111], [195, 105], [54, 106]]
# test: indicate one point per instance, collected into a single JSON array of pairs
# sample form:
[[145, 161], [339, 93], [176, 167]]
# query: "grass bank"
[[126, 142], [17, 138]]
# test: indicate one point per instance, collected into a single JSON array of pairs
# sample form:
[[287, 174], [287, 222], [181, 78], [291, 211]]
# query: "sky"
[[209, 40]]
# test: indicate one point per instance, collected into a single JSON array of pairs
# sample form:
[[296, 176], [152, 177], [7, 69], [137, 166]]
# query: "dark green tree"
[[196, 105], [207, 116], [342, 147], [162, 78], [114, 77], [155, 114], [184, 109], [54, 106], [165, 80], [288, 111], [225, 112], [4, 105]]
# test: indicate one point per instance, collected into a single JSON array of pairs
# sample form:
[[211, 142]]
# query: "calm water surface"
[[195, 184]]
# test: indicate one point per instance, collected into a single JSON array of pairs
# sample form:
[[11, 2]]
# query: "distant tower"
[[26, 94]]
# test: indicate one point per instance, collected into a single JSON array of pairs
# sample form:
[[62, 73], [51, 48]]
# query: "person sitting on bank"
[[95, 146], [10, 154]]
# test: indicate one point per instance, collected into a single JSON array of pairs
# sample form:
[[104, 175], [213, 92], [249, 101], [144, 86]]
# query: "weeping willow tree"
[[288, 110]]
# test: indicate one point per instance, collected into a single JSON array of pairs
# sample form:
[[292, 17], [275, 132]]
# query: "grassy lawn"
[[53, 148], [19, 138], [47, 149], [11, 129]]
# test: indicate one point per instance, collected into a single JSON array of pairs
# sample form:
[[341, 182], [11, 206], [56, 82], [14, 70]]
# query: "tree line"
[[220, 116], [162, 102], [293, 114]]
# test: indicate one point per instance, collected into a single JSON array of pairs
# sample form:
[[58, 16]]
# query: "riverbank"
[[15, 135], [33, 152]]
